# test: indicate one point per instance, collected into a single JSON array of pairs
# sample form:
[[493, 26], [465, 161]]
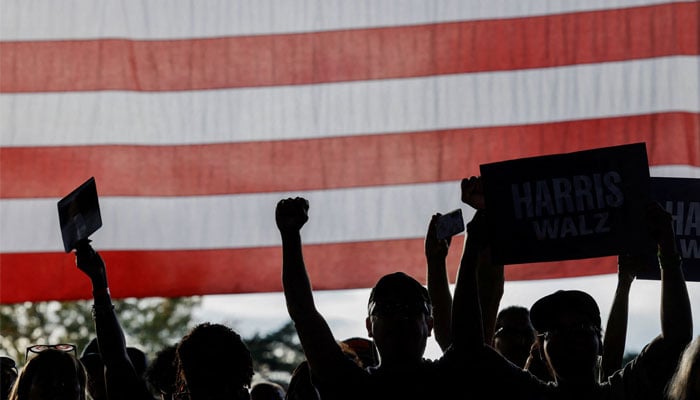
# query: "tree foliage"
[[276, 353], [149, 324]]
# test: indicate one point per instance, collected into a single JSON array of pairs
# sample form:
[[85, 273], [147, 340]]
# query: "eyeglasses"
[[523, 335], [38, 348], [571, 330]]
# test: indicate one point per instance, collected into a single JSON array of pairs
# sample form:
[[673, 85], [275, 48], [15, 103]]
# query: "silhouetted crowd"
[[554, 350]]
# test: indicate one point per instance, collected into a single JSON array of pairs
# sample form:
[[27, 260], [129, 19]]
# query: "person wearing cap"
[[569, 327], [399, 321]]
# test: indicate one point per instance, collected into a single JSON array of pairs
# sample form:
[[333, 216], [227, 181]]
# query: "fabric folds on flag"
[[196, 118]]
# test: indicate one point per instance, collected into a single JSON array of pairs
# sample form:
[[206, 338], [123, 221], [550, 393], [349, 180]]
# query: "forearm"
[[295, 280], [467, 330], [616, 330], [439, 291], [491, 282], [676, 316], [110, 336]]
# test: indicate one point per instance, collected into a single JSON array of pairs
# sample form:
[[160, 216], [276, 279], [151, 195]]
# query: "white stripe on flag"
[[353, 108], [170, 19], [237, 221]]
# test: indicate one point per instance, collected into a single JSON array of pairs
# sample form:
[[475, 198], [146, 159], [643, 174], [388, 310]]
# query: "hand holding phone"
[[450, 224]]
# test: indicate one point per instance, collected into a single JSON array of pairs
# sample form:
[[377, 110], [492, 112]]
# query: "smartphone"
[[450, 224]]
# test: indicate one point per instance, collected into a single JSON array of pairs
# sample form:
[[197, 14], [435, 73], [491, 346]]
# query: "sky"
[[345, 310]]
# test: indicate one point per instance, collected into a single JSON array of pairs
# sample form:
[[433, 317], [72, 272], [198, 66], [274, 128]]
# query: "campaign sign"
[[567, 206], [79, 214], [681, 198]]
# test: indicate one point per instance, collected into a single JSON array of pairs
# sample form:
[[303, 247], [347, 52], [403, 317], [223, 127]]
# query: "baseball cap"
[[399, 289], [546, 311]]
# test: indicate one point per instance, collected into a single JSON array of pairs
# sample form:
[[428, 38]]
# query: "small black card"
[[79, 214]]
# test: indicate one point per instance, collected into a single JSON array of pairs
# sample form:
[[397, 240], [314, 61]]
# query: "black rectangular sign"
[[79, 214], [681, 198], [567, 206]]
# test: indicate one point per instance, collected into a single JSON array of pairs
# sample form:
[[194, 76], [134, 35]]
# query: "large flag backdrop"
[[196, 117]]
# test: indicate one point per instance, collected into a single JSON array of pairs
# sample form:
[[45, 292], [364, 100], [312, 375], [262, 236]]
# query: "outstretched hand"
[[473, 192], [434, 247], [90, 262], [291, 214]]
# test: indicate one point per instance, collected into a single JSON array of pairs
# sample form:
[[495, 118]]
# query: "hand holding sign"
[[473, 192], [91, 264], [79, 214]]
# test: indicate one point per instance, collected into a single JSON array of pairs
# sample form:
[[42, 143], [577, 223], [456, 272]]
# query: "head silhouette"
[[400, 319], [8, 375], [51, 374], [514, 334], [161, 373], [214, 363], [569, 321], [267, 391]]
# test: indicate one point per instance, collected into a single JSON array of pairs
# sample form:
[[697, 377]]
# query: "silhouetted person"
[[399, 321], [490, 276], [213, 363], [266, 391], [300, 385], [569, 323], [51, 374], [122, 378], [8, 375], [514, 334], [162, 372]]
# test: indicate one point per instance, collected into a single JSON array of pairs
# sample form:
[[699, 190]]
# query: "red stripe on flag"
[[54, 276], [349, 55], [359, 161]]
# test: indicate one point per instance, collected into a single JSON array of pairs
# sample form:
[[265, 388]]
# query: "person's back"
[[213, 363]]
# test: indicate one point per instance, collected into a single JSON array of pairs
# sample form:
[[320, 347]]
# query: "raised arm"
[[320, 348], [676, 316], [490, 276], [438, 284], [121, 379], [491, 281], [616, 328], [467, 329]]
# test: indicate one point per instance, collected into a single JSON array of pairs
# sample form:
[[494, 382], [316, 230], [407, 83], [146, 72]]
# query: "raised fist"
[[292, 214]]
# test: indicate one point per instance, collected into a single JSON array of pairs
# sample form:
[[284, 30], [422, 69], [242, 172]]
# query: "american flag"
[[196, 117]]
